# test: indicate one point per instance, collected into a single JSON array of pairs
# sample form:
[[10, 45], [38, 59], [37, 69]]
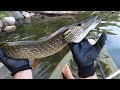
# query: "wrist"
[[26, 74], [86, 71], [25, 67]]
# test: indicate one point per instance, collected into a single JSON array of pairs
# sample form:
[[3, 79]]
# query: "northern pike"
[[52, 43]]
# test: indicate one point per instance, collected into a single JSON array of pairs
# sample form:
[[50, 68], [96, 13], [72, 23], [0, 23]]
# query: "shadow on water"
[[46, 25]]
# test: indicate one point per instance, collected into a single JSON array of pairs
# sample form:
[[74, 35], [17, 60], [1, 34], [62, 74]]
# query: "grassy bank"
[[4, 14]]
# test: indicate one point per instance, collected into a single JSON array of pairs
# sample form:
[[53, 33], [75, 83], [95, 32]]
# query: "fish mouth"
[[76, 33], [90, 22], [84, 21]]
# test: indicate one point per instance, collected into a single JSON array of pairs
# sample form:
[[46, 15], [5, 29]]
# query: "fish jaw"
[[76, 33], [85, 32]]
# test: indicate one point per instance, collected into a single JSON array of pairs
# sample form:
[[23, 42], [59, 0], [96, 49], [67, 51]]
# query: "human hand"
[[14, 65], [85, 54]]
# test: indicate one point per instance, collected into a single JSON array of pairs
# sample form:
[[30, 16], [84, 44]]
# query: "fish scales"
[[51, 44], [38, 50]]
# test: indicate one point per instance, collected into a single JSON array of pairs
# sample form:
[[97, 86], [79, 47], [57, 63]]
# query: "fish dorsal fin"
[[62, 29], [39, 40]]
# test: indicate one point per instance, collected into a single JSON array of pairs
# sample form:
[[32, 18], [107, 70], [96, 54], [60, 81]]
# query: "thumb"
[[74, 47], [2, 53], [101, 41]]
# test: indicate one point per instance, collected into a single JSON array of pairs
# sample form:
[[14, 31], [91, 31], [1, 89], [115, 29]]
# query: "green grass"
[[4, 14]]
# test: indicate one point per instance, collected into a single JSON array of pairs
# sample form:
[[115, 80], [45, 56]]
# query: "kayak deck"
[[104, 58]]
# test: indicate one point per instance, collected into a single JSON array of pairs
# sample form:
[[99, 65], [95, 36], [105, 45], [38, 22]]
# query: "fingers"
[[84, 43], [67, 72], [85, 40], [93, 53], [74, 48], [79, 47], [101, 40], [71, 44]]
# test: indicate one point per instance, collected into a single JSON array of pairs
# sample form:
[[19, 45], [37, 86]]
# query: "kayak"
[[104, 59]]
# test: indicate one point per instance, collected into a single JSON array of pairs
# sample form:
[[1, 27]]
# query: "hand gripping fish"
[[51, 44]]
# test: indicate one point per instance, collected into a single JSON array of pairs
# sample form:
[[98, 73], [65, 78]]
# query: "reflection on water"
[[113, 44], [48, 64], [44, 26], [113, 41]]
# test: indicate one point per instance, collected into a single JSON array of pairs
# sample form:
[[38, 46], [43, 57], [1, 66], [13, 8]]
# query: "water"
[[113, 41], [113, 44], [44, 26]]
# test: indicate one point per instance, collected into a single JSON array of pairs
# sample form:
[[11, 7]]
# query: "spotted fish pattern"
[[51, 44]]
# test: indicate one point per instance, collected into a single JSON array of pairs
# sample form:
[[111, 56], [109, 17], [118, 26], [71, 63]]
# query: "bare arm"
[[26, 74], [68, 74], [91, 77]]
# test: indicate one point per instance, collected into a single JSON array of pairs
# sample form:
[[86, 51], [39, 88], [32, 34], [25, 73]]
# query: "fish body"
[[51, 44], [34, 49]]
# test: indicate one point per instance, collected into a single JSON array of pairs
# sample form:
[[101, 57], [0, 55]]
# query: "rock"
[[17, 15], [27, 21], [10, 28], [19, 22], [112, 11], [32, 14], [83, 11], [59, 12], [1, 23], [8, 21], [37, 14], [26, 14], [95, 12], [0, 29]]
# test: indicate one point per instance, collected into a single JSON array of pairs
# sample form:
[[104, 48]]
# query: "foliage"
[[4, 14]]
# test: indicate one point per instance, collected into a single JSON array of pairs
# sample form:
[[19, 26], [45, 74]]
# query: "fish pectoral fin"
[[35, 63]]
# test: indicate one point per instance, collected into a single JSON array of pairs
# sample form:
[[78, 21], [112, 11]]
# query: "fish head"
[[75, 34]]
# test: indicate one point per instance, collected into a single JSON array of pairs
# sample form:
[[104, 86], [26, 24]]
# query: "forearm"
[[26, 74], [91, 77]]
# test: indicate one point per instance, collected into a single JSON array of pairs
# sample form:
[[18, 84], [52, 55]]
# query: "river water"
[[46, 25], [113, 44]]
